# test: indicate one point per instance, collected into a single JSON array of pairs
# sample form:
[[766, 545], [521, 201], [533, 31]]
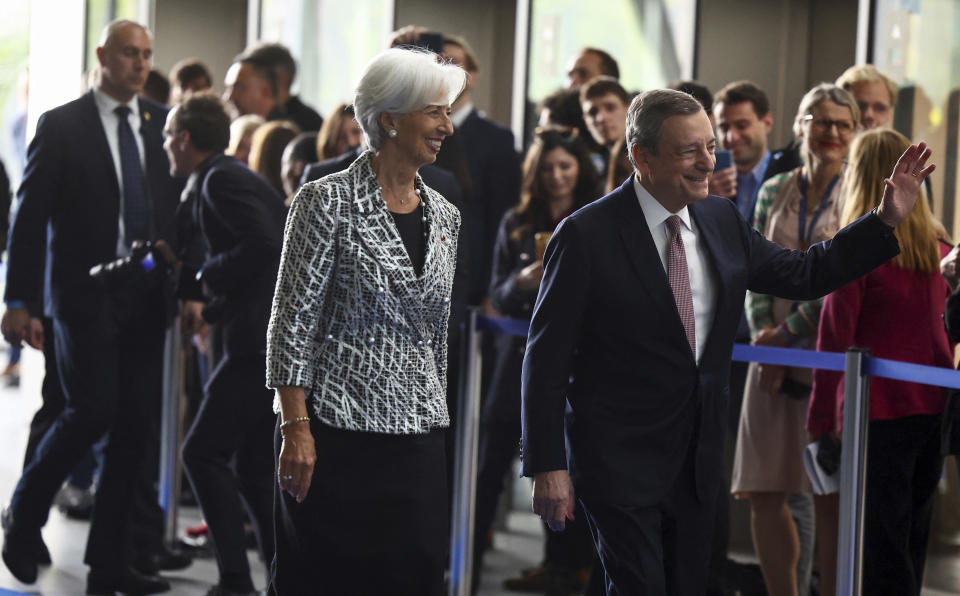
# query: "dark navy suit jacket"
[[70, 190], [495, 176], [606, 337], [239, 218]]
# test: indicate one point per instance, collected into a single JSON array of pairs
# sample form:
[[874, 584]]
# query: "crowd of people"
[[336, 258]]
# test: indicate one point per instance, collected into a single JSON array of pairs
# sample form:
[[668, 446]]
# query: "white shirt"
[[106, 106], [703, 284]]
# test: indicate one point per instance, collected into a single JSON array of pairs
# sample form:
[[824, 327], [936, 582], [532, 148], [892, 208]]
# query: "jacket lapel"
[[642, 252], [379, 237], [98, 136]]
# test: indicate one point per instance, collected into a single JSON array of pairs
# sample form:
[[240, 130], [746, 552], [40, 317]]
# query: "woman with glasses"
[[558, 179], [897, 312], [794, 209], [357, 350]]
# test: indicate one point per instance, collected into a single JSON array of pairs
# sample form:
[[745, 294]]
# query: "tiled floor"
[[518, 547]]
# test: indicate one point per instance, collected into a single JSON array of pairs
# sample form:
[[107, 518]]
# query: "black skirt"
[[375, 520]]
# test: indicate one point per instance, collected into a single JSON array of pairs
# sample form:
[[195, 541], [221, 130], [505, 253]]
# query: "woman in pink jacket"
[[895, 311]]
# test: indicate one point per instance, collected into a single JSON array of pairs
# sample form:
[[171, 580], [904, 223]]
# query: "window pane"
[[331, 40], [652, 40], [916, 43]]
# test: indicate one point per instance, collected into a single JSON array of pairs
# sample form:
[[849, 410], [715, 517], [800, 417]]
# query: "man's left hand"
[[553, 498], [904, 184]]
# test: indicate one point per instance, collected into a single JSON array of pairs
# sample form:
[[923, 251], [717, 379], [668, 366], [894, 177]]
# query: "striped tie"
[[680, 281]]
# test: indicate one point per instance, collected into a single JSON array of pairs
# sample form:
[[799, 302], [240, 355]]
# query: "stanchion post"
[[853, 473], [465, 464], [169, 481]]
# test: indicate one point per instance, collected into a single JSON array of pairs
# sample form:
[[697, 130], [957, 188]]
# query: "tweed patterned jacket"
[[351, 322]]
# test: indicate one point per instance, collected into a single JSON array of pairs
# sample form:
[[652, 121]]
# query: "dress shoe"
[[41, 554], [533, 579], [127, 581], [166, 559], [221, 591], [75, 502], [17, 553], [546, 579]]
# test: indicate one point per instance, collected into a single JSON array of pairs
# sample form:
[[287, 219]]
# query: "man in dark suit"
[[487, 167], [258, 82], [97, 180], [238, 217], [634, 327]]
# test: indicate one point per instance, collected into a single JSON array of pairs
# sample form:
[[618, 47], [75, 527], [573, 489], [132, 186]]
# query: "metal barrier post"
[[169, 481], [465, 464], [853, 473]]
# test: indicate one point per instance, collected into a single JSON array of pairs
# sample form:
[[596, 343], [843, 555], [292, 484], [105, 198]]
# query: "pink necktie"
[[680, 281]]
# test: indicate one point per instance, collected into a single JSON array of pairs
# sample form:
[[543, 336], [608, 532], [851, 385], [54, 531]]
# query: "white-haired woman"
[[357, 349]]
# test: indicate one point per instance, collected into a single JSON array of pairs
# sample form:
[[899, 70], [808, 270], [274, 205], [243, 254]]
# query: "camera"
[[135, 282]]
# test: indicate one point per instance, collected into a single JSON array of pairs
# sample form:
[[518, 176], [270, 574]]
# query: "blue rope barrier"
[[517, 327], [877, 367], [915, 373], [789, 357]]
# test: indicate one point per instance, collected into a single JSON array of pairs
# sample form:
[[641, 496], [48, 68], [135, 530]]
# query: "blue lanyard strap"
[[804, 235]]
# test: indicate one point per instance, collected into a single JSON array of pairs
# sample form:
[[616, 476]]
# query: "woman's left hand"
[[298, 453], [904, 184], [297, 458]]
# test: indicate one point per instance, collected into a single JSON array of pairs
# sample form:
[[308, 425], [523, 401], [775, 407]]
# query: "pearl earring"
[[392, 134]]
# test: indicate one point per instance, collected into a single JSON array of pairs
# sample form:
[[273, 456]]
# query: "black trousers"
[[656, 550], [111, 379], [234, 424], [903, 469], [53, 399], [374, 521], [147, 517], [568, 550]]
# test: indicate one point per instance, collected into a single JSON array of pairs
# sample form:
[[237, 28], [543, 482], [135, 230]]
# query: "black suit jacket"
[[70, 189], [494, 169], [239, 218], [606, 337]]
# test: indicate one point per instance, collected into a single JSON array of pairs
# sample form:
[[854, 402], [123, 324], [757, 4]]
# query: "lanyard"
[[805, 234]]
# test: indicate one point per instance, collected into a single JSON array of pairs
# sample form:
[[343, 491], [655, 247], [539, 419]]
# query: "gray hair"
[[399, 81], [814, 97], [647, 113], [819, 94]]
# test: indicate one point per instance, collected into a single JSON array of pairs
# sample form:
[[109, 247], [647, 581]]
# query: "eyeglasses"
[[844, 127]]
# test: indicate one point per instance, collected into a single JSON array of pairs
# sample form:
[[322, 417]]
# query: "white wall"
[[785, 46], [489, 29], [213, 30]]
